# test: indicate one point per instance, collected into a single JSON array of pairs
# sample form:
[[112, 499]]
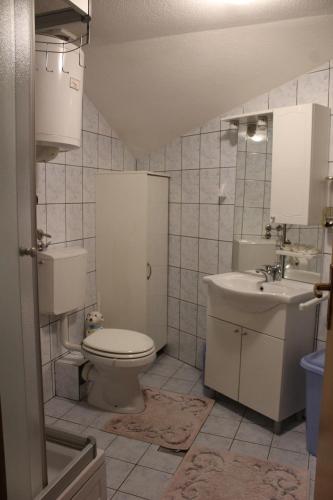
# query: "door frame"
[[20, 356]]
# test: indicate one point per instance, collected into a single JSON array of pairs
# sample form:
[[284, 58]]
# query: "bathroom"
[[168, 188]]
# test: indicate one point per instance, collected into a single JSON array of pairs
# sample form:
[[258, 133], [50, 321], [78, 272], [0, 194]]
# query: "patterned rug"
[[209, 475], [170, 420]]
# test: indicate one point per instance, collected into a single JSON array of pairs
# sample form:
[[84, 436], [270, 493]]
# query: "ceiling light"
[[257, 132]]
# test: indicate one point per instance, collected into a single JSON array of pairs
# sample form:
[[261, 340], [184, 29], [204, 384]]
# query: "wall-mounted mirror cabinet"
[[282, 165]]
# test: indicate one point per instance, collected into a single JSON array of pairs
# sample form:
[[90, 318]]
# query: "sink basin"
[[249, 292]]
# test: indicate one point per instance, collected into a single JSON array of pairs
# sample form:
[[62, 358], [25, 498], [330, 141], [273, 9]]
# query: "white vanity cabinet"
[[259, 366], [299, 163]]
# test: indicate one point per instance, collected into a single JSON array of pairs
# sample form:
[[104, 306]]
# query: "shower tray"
[[75, 468]]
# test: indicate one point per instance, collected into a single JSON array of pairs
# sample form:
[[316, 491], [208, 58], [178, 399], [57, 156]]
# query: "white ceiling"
[[160, 68]]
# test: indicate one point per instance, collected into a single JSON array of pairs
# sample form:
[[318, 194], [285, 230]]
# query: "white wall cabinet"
[[132, 251], [299, 163], [260, 369]]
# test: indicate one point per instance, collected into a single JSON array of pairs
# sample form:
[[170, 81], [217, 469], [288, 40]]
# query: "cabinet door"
[[261, 373], [223, 357], [157, 259]]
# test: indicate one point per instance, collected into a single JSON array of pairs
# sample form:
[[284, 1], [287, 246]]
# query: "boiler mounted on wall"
[[58, 96]]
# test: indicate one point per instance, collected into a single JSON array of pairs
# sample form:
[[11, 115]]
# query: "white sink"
[[250, 293]]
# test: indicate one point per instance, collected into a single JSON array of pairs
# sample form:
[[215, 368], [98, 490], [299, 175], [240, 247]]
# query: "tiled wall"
[[201, 228], [66, 210]]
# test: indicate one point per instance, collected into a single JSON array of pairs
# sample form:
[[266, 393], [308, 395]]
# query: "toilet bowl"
[[117, 358]]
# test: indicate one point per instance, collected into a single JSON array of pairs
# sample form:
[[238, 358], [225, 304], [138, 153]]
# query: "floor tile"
[[217, 443], [116, 472], [178, 385], [49, 420], [200, 390], [126, 449], [253, 433], [218, 426], [103, 439], [125, 496], [147, 483], [66, 426], [165, 366], [288, 458], [102, 419], [57, 407], [254, 417], [187, 372], [153, 380], [291, 440], [82, 414], [227, 409], [110, 493], [312, 466], [160, 460], [250, 449]]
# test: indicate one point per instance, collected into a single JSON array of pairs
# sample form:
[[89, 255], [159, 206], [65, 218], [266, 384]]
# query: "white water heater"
[[58, 96]]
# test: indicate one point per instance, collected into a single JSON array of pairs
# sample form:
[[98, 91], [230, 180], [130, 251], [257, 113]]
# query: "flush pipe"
[[65, 336]]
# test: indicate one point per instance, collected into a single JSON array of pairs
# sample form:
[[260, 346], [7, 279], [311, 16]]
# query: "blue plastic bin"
[[313, 365]]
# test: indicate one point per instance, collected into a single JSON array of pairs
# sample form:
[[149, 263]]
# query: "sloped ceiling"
[[160, 68]]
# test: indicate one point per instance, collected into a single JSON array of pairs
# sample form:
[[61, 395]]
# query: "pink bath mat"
[[170, 420], [210, 475]]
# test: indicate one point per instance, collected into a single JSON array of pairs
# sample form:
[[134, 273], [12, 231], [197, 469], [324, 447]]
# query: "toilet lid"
[[115, 341]]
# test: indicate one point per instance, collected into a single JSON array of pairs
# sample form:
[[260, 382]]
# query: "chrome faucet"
[[271, 272]]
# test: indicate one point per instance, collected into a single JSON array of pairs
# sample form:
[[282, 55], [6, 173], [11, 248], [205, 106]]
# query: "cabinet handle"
[[149, 271], [244, 333], [236, 331]]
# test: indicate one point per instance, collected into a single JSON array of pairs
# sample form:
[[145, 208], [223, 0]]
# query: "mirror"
[[252, 201]]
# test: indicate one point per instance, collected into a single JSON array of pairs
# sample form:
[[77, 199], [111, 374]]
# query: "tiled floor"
[[137, 470]]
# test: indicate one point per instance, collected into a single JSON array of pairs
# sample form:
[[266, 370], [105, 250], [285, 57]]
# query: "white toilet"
[[117, 358]]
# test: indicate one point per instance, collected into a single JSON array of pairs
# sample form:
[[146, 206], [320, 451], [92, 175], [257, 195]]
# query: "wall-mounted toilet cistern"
[[62, 284], [116, 356]]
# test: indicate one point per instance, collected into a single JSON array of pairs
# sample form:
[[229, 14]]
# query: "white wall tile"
[[172, 347], [187, 348], [175, 189], [55, 183], [209, 221], [189, 285], [189, 253], [117, 154], [259, 103], [210, 150], [227, 181], [90, 149], [174, 282], [188, 317], [157, 161], [173, 155], [285, 95], [89, 185], [226, 229], [209, 185], [73, 221], [103, 126], [129, 160], [313, 87], [56, 224], [213, 125], [104, 152], [40, 182], [254, 193], [229, 140], [190, 152], [90, 115], [190, 186], [255, 166], [174, 251], [174, 218], [225, 257], [90, 246], [73, 184], [190, 220], [208, 256], [89, 220], [173, 312]]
